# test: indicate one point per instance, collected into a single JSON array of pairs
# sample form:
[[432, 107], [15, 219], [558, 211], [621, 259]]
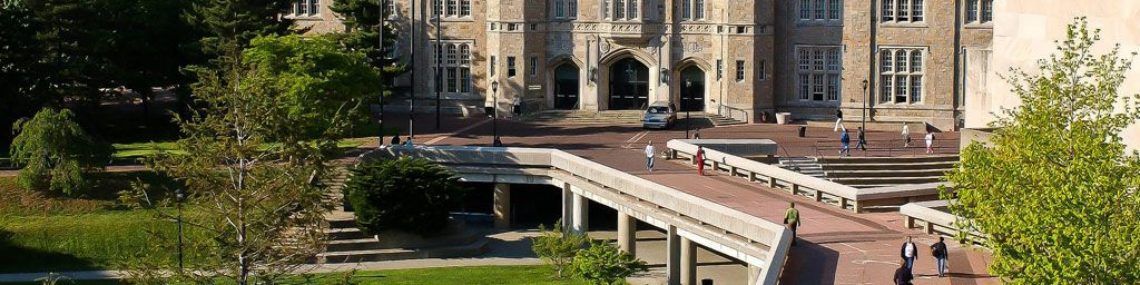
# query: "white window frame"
[[808, 11], [898, 70], [893, 11], [450, 9], [453, 75], [982, 14], [692, 10], [305, 8], [818, 71], [622, 10]]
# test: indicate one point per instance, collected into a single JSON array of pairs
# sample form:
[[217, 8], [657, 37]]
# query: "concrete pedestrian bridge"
[[688, 220]]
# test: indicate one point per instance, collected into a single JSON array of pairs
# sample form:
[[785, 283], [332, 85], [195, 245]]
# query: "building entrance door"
[[692, 89], [566, 87], [629, 85]]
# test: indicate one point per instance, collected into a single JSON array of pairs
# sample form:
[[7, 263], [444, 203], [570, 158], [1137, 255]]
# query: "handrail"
[[744, 113], [894, 145], [774, 173]]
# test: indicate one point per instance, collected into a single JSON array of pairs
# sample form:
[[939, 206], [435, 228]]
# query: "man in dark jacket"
[[940, 254], [862, 140], [903, 276], [908, 252]]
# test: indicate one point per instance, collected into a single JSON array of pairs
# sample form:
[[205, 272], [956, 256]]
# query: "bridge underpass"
[[687, 221]]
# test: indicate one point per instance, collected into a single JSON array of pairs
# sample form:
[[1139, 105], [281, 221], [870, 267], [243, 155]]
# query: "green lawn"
[[496, 275]]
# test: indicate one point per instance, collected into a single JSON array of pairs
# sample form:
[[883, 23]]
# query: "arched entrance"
[[692, 89], [565, 86], [629, 85]]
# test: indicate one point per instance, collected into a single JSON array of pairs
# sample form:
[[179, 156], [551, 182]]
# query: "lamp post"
[[383, 57], [495, 110], [179, 196], [438, 66], [864, 104], [688, 87]]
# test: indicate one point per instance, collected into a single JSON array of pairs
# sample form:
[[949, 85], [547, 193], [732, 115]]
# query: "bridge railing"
[[934, 218], [774, 237]]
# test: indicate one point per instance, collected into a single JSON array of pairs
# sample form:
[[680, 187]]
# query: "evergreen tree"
[[229, 25], [56, 154], [362, 33], [20, 65]]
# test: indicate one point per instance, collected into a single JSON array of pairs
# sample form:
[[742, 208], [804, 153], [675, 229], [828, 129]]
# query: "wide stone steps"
[[887, 166], [719, 121], [886, 173], [584, 117], [891, 160], [886, 180]]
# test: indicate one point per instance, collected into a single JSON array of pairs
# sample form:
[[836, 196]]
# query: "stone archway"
[[566, 83], [692, 89], [628, 85]]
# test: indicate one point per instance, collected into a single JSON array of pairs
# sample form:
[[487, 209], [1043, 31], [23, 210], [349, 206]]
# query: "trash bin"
[[706, 282], [803, 131]]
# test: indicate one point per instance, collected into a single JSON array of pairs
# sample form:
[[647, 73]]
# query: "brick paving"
[[836, 246]]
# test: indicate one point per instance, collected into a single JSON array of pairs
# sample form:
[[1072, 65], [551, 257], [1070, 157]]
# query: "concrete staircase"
[[624, 117], [719, 121], [805, 165], [870, 172], [348, 244]]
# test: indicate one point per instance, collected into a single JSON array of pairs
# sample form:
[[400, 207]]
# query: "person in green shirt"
[[792, 220]]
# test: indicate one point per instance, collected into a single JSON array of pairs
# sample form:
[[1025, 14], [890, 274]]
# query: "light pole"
[[438, 66], [688, 89], [864, 104], [383, 58], [412, 99], [178, 198], [495, 110]]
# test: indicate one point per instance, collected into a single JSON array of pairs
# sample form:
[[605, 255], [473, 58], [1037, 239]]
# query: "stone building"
[[743, 58]]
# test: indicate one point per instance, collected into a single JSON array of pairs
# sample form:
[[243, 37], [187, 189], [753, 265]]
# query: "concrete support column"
[[567, 206], [581, 213], [673, 260], [502, 206], [688, 262], [627, 233], [753, 275]]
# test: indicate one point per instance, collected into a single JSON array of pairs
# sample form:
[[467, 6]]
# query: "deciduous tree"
[[1056, 192], [55, 152]]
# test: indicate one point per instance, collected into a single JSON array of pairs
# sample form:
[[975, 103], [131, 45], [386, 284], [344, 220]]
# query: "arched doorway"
[[629, 85], [692, 89], [565, 86]]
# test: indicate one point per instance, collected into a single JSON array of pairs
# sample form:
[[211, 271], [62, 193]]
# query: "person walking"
[[862, 141], [909, 252], [517, 107], [903, 276], [906, 135], [498, 142], [940, 254], [845, 141], [838, 120], [929, 142], [649, 156], [697, 134], [792, 220], [700, 161]]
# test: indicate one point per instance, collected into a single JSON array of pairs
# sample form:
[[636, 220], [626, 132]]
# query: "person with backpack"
[[940, 254], [649, 156], [792, 220], [903, 276]]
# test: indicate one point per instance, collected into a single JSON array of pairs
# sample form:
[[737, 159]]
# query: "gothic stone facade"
[[742, 58]]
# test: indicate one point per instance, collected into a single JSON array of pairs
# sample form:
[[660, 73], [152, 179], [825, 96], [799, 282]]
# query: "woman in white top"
[[930, 142], [649, 156]]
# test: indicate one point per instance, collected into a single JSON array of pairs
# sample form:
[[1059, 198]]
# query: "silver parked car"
[[659, 115]]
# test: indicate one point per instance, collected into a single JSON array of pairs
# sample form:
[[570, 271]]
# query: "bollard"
[[803, 131]]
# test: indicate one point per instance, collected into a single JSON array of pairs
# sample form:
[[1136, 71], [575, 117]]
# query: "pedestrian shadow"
[[810, 263]]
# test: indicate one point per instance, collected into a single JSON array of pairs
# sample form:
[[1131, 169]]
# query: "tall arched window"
[[454, 73], [903, 83]]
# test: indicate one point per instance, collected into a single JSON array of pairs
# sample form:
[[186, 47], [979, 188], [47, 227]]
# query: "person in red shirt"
[[700, 161]]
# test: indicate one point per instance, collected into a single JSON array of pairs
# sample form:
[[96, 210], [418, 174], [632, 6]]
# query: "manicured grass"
[[142, 149], [477, 275]]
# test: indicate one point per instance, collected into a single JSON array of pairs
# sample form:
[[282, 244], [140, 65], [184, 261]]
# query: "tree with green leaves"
[[253, 157], [603, 263], [55, 153], [405, 194], [557, 247], [1056, 192]]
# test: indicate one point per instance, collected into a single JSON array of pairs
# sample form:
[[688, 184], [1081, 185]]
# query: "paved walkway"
[[836, 246]]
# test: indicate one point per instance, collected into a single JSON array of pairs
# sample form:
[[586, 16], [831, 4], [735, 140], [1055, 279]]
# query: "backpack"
[[937, 250]]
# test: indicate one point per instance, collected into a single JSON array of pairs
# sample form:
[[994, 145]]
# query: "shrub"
[[557, 247], [412, 195], [603, 263], [55, 153]]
